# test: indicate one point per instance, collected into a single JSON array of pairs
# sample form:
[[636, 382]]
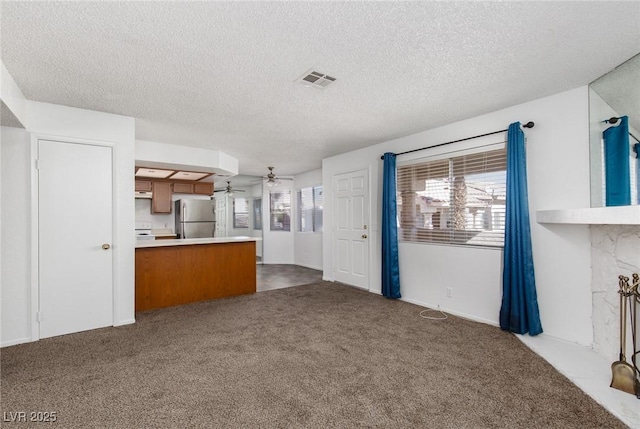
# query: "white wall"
[[277, 246], [11, 330], [60, 121], [307, 245], [1, 235], [256, 192], [251, 193], [12, 96], [247, 194], [15, 249], [558, 172], [166, 155]]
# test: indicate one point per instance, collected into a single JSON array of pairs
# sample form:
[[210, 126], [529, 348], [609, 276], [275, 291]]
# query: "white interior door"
[[221, 216], [75, 211], [351, 228]]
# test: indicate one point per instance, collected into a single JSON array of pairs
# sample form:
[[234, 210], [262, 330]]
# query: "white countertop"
[[141, 244]]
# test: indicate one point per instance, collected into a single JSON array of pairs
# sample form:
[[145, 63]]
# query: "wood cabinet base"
[[176, 275]]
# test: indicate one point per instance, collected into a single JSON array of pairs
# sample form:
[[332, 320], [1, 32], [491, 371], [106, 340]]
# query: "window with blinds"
[[257, 213], [310, 209], [240, 213], [280, 211], [456, 200]]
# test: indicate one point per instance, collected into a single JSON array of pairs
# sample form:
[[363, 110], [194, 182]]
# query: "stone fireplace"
[[615, 250]]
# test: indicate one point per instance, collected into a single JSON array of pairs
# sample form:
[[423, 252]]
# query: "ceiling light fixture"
[[228, 190], [190, 175], [154, 173], [272, 180]]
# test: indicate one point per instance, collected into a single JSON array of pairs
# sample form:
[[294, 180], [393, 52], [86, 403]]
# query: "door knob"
[[106, 246], [364, 235]]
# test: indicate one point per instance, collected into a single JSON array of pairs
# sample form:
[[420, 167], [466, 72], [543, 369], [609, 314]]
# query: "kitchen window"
[[280, 210], [310, 209], [240, 213], [257, 213], [456, 200]]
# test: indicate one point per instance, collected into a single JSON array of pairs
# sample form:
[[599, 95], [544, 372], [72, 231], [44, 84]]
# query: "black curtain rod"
[[527, 125], [613, 120]]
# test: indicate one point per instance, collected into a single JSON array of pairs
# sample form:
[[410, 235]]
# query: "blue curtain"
[[616, 164], [636, 149], [519, 312], [390, 268]]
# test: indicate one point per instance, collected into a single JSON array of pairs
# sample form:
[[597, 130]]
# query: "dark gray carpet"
[[321, 355]]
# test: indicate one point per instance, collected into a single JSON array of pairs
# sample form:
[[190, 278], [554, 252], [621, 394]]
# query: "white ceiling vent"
[[315, 79]]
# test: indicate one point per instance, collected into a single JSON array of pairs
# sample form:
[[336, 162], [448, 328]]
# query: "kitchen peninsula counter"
[[181, 271], [143, 244]]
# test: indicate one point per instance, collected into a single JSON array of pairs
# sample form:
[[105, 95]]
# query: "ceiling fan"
[[228, 190], [272, 180]]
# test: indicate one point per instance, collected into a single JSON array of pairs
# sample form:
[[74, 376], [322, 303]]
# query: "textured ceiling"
[[221, 74]]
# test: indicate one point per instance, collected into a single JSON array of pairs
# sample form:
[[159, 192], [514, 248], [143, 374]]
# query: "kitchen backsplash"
[[158, 221], [161, 221]]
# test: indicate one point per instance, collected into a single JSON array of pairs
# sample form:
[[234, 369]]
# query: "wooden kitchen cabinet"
[[175, 275], [183, 188], [204, 188], [143, 186], [161, 199]]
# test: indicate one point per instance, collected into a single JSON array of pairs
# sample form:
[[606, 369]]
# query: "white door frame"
[[367, 170], [35, 221]]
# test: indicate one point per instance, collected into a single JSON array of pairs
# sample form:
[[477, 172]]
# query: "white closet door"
[[75, 237]]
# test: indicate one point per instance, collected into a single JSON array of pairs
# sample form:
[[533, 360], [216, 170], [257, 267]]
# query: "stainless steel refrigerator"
[[195, 218]]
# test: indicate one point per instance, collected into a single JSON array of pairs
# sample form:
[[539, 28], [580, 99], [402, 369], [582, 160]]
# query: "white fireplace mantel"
[[623, 215]]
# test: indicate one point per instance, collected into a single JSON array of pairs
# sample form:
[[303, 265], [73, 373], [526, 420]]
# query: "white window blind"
[[240, 213], [456, 200], [257, 213], [280, 211], [310, 209]]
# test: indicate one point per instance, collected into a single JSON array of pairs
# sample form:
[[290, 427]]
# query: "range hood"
[[143, 194]]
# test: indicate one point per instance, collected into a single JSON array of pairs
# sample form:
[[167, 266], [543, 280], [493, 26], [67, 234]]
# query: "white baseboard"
[[523, 338], [452, 312], [125, 322], [16, 342], [309, 266]]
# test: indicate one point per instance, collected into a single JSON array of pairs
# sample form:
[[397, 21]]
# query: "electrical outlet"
[[449, 292]]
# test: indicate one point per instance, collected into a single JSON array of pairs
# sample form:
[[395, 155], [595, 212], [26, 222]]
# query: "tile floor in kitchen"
[[278, 276]]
